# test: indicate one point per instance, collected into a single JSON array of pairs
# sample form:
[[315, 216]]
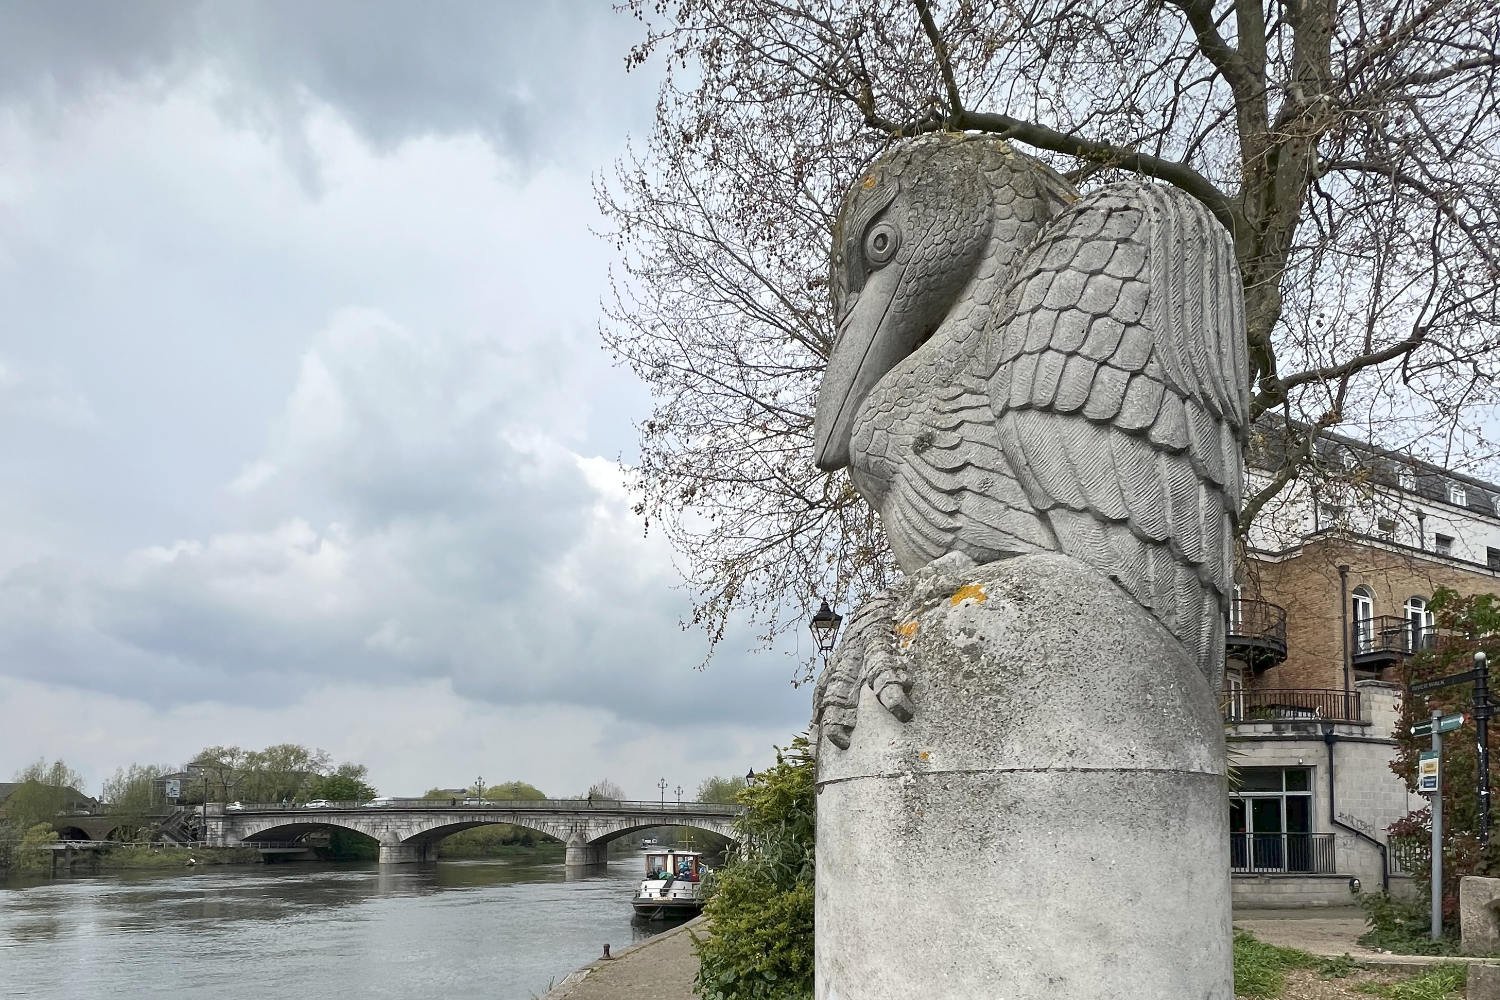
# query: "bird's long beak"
[[869, 344]]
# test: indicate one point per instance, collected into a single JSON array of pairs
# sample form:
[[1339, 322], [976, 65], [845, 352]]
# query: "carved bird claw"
[[867, 656]]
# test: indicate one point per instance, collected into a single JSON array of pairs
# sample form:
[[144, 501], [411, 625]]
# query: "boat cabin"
[[673, 864]]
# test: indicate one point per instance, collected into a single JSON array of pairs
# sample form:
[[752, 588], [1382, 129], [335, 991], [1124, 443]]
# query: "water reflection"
[[331, 931]]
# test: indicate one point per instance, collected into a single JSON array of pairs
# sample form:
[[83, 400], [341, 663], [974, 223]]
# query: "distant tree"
[[345, 784], [133, 795], [37, 835], [218, 770], [721, 790], [44, 789], [509, 790], [283, 771], [607, 791]]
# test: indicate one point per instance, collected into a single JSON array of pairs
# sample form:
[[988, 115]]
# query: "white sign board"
[[1427, 773]]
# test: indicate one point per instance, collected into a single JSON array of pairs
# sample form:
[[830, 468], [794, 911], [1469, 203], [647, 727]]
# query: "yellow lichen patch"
[[869, 182], [973, 592], [905, 633]]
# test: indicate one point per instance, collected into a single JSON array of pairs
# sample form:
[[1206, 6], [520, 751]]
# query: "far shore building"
[[1331, 602]]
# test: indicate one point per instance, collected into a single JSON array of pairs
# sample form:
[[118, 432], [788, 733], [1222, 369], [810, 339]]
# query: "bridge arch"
[[408, 830]]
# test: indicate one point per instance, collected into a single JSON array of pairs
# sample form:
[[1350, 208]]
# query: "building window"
[[1234, 693], [1362, 618], [1442, 544], [1458, 495], [1329, 515], [1385, 527], [1418, 624], [1271, 822], [1492, 557], [1407, 480]]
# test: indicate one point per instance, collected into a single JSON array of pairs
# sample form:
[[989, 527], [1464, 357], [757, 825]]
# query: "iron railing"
[[1388, 635], [1406, 855], [1256, 632], [497, 805], [1282, 853], [1290, 705]]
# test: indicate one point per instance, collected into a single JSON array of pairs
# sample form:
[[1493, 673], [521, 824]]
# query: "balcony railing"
[[1256, 633], [1290, 704], [1282, 853], [1390, 637]]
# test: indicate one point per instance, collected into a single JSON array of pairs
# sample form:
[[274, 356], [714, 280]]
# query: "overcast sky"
[[305, 432]]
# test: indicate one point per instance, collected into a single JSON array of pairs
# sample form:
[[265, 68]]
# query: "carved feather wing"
[[1119, 387]]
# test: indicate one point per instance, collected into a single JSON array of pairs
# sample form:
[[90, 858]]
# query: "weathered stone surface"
[[1049, 824], [1479, 914], [1484, 983]]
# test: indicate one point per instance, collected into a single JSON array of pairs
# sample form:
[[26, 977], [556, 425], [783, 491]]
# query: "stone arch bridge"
[[408, 829]]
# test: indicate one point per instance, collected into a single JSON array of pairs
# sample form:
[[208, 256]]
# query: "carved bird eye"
[[880, 243]]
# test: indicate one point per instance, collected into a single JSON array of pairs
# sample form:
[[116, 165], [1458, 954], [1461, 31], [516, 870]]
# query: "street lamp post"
[[825, 628], [678, 790], [662, 784], [479, 788]]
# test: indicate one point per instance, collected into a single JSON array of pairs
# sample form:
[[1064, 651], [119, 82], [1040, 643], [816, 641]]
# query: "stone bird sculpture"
[[1020, 369]]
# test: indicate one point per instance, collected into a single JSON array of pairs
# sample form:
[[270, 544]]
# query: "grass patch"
[[1441, 982], [1260, 969]]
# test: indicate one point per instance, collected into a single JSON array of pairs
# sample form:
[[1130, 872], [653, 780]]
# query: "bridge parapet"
[[408, 829]]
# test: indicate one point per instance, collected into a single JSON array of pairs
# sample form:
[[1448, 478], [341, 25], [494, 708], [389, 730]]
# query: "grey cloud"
[[536, 78], [459, 541]]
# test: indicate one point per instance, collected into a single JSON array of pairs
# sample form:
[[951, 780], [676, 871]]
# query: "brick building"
[[1332, 600]]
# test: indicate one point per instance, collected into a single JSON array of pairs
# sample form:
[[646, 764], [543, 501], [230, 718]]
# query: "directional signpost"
[[1429, 780], [1480, 678], [1445, 724], [1427, 687], [1429, 767]]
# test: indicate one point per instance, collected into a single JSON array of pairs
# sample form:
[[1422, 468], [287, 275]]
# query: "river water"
[[504, 930]]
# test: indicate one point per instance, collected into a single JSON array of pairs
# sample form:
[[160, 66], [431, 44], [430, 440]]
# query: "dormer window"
[[1407, 480], [1351, 462], [1458, 495]]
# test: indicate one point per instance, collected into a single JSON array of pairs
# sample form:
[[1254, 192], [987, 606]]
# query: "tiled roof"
[[1269, 446]]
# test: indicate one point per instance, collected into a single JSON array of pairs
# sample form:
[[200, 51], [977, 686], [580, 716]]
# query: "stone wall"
[[1290, 891]]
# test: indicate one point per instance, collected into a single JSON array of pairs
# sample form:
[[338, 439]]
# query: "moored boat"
[[673, 885]]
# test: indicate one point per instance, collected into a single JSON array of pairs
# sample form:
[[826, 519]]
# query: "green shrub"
[[760, 905], [1403, 927]]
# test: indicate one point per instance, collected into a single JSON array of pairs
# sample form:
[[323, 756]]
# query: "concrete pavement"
[[663, 967], [659, 968]]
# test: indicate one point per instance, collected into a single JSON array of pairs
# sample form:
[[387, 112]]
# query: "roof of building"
[[1384, 466]]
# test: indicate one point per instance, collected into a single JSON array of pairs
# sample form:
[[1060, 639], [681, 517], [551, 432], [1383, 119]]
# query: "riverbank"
[[660, 968]]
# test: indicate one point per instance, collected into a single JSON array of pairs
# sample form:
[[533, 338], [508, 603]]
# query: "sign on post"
[[1427, 687], [1427, 772], [1446, 724]]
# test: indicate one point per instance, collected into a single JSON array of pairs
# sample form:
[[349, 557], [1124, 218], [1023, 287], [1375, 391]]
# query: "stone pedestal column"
[[581, 854], [1051, 825], [403, 854]]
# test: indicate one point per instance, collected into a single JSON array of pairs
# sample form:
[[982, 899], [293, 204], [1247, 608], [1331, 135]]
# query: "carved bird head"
[[925, 221]]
